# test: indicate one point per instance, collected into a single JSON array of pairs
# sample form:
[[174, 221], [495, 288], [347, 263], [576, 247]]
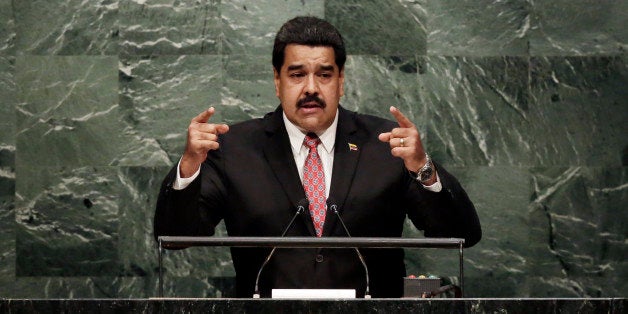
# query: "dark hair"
[[309, 31]]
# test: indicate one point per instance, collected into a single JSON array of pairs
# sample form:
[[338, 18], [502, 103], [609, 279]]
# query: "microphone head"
[[302, 205], [331, 205]]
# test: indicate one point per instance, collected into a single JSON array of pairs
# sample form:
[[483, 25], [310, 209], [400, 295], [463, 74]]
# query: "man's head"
[[308, 62], [308, 31]]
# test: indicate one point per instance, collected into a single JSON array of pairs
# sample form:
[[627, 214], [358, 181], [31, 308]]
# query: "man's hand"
[[405, 143], [202, 137]]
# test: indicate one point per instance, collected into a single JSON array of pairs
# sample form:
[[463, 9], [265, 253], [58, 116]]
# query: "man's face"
[[309, 86]]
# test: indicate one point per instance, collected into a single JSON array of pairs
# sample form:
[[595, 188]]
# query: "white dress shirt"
[[325, 148]]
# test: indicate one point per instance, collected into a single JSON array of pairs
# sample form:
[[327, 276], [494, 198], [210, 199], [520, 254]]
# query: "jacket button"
[[319, 258]]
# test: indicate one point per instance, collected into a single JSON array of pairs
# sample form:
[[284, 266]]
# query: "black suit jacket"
[[252, 183]]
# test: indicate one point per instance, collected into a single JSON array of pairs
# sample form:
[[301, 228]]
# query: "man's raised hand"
[[202, 137], [405, 142]]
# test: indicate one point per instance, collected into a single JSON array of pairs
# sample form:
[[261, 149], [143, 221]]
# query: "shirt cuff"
[[435, 187], [182, 183]]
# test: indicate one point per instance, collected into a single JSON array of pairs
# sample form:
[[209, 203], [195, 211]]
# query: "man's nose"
[[311, 85]]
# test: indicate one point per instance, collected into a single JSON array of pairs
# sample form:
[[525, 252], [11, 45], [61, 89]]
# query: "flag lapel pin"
[[353, 147]]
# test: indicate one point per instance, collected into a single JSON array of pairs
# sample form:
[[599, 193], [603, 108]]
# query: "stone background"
[[524, 101]]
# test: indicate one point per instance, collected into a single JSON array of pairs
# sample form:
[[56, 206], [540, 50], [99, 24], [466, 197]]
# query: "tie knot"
[[311, 140]]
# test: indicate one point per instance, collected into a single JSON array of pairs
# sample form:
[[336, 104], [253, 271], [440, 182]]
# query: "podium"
[[180, 242]]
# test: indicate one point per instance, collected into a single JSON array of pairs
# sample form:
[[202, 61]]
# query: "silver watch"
[[426, 172]]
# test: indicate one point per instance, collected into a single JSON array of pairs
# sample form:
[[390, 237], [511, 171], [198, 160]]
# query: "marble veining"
[[523, 101]]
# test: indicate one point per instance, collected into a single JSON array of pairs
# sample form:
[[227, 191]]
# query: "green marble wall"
[[525, 101]]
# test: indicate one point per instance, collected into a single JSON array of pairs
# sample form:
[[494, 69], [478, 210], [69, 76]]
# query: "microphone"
[[334, 208], [301, 206]]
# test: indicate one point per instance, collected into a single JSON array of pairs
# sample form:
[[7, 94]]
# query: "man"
[[254, 174]]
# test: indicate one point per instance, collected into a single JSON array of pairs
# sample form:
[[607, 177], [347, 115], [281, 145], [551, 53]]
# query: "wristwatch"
[[426, 172]]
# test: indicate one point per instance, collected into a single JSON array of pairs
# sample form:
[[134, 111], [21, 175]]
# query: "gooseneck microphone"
[[301, 206], [334, 208]]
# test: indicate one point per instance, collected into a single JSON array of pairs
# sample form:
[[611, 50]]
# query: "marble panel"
[[7, 30], [68, 112], [67, 221], [546, 232], [579, 109], [391, 27], [194, 272], [70, 27], [374, 83], [578, 221], [7, 111], [248, 90], [249, 26], [7, 149], [7, 212], [7, 227], [538, 143], [138, 249], [478, 110], [166, 27], [581, 27], [197, 271], [497, 265], [74, 287], [188, 286], [195, 280], [478, 28], [159, 96]]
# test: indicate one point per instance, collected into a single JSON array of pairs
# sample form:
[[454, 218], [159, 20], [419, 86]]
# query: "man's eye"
[[297, 74]]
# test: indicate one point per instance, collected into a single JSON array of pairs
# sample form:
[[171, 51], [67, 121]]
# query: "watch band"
[[425, 173]]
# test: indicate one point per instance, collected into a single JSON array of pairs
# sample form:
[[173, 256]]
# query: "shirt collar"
[[327, 137]]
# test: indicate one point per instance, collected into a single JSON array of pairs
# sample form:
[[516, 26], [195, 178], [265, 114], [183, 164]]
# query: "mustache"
[[311, 98]]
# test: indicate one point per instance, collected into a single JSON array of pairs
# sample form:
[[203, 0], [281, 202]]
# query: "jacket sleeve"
[[448, 213], [192, 211]]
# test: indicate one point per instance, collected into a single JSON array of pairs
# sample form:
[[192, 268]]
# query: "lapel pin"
[[353, 147]]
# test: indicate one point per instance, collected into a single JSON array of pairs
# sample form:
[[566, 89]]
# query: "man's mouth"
[[311, 102]]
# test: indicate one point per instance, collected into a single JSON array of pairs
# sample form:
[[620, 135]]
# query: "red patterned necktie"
[[314, 182]]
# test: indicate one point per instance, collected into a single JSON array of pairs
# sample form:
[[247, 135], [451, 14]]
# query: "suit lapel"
[[346, 155], [279, 156]]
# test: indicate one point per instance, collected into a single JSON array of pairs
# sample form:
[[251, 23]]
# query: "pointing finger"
[[401, 119], [204, 116]]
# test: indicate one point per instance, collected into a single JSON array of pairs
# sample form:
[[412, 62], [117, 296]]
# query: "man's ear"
[[276, 80]]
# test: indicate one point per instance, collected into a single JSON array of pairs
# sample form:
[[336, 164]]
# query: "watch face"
[[426, 173]]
